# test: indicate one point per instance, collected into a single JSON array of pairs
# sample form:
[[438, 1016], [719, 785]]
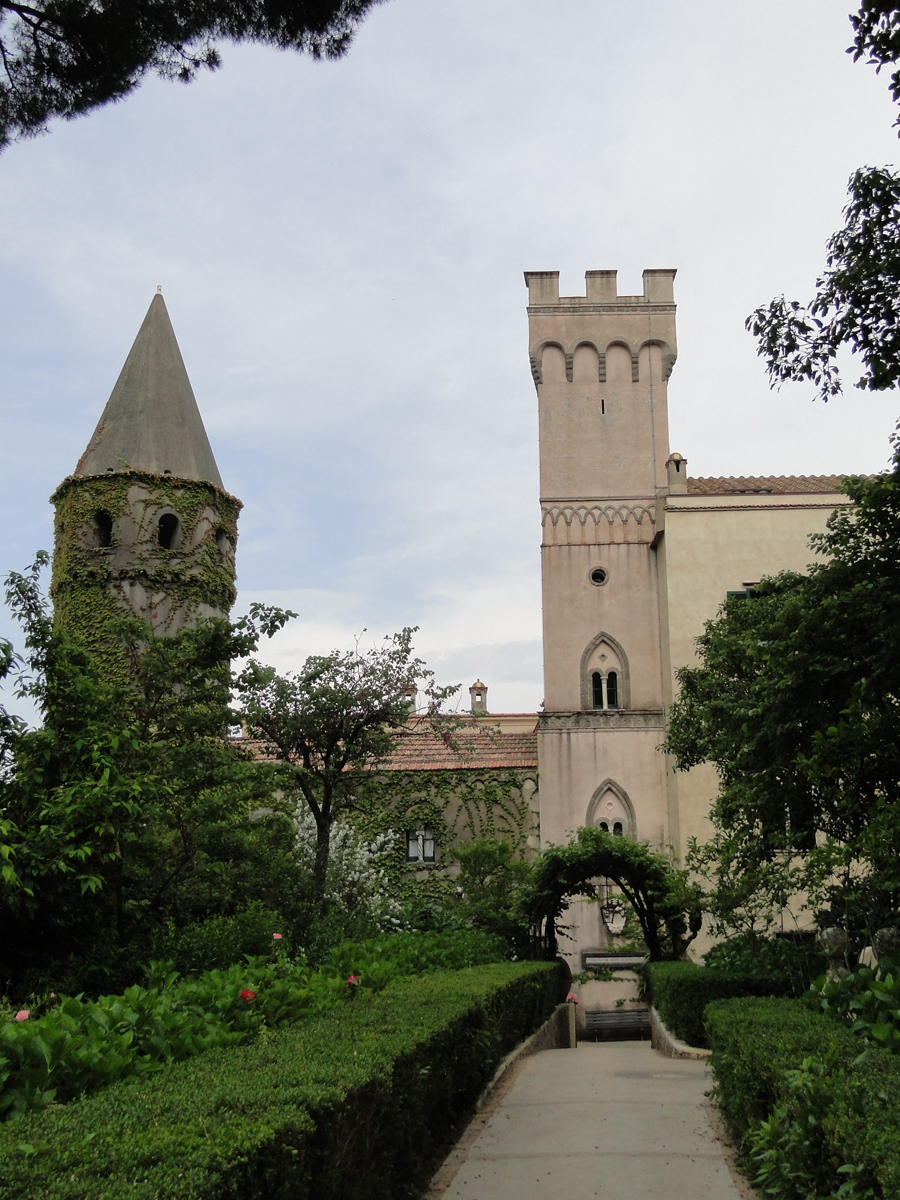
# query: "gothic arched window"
[[604, 675], [605, 689], [611, 810]]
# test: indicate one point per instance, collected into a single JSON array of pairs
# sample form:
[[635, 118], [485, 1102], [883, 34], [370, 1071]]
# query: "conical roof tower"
[[151, 421], [144, 527]]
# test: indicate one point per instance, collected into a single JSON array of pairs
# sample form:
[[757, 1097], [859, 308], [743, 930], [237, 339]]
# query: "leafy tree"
[[62, 58], [796, 699], [492, 880], [333, 721], [877, 37], [797, 703], [857, 300], [666, 904], [127, 810]]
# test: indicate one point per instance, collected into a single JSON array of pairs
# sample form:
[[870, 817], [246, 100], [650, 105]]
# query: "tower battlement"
[[600, 289], [600, 364]]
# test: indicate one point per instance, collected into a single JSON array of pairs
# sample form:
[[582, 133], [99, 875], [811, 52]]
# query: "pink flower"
[[23, 1014], [247, 995], [277, 937], [353, 980], [572, 998]]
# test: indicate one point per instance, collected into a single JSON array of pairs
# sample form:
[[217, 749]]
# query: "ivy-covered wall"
[[109, 561], [457, 806]]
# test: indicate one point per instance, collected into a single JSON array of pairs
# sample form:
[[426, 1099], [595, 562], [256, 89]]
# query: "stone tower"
[[601, 364], [144, 526]]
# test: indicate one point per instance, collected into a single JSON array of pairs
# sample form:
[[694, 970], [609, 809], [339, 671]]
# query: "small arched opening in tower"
[[102, 529], [617, 830], [167, 530], [605, 689]]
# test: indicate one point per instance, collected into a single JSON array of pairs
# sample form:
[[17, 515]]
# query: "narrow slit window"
[[612, 690], [597, 685], [168, 527], [602, 407], [102, 529]]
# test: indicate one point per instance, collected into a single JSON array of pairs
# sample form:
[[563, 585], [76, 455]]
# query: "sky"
[[341, 248]]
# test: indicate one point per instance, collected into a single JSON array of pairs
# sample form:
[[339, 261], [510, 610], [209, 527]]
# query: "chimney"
[[478, 693], [676, 469]]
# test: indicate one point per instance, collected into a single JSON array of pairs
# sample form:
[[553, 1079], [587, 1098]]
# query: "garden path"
[[608, 1121]]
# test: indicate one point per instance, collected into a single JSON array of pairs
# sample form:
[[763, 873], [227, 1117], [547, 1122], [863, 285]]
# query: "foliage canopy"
[[62, 58], [331, 723], [127, 810], [857, 300]]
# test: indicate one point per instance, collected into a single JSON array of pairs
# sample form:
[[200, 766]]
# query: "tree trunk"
[[323, 847]]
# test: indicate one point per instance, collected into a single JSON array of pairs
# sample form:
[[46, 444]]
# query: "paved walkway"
[[608, 1121]]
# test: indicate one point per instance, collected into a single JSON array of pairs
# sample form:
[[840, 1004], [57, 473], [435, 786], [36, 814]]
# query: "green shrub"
[[754, 1042], [347, 1106], [72, 1045], [867, 1000], [218, 942], [413, 952], [798, 960], [76, 1045], [813, 1116], [680, 991]]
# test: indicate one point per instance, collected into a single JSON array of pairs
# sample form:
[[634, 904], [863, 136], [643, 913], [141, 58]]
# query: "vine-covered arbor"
[[665, 903]]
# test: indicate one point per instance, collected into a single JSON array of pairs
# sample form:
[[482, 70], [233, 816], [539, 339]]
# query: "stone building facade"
[[635, 557]]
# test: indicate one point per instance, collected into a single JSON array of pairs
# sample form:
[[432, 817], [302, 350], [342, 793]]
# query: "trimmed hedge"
[[347, 1106], [826, 1105], [680, 991]]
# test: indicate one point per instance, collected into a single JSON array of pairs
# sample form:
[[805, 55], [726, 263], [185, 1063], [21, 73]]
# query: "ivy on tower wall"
[[109, 562]]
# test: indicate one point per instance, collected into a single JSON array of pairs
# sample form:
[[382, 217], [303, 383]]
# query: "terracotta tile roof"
[[731, 485], [476, 746]]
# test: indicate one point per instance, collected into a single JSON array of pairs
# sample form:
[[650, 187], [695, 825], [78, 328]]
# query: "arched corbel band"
[[537, 356], [623, 681], [596, 814]]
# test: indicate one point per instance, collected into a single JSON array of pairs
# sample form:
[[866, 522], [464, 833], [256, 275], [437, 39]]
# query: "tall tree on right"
[[857, 300], [797, 698]]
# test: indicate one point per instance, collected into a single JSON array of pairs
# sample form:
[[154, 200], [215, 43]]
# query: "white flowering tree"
[[357, 885]]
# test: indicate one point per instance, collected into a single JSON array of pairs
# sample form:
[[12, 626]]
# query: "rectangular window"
[[420, 845]]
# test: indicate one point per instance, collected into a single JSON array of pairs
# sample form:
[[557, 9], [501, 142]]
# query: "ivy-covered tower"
[[144, 526]]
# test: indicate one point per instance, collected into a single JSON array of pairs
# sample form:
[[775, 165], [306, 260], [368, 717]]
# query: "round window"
[[599, 576]]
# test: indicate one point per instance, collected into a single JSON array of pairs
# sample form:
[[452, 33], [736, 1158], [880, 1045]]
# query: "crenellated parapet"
[[601, 364]]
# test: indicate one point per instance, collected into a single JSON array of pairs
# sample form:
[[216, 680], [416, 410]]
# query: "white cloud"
[[341, 247]]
